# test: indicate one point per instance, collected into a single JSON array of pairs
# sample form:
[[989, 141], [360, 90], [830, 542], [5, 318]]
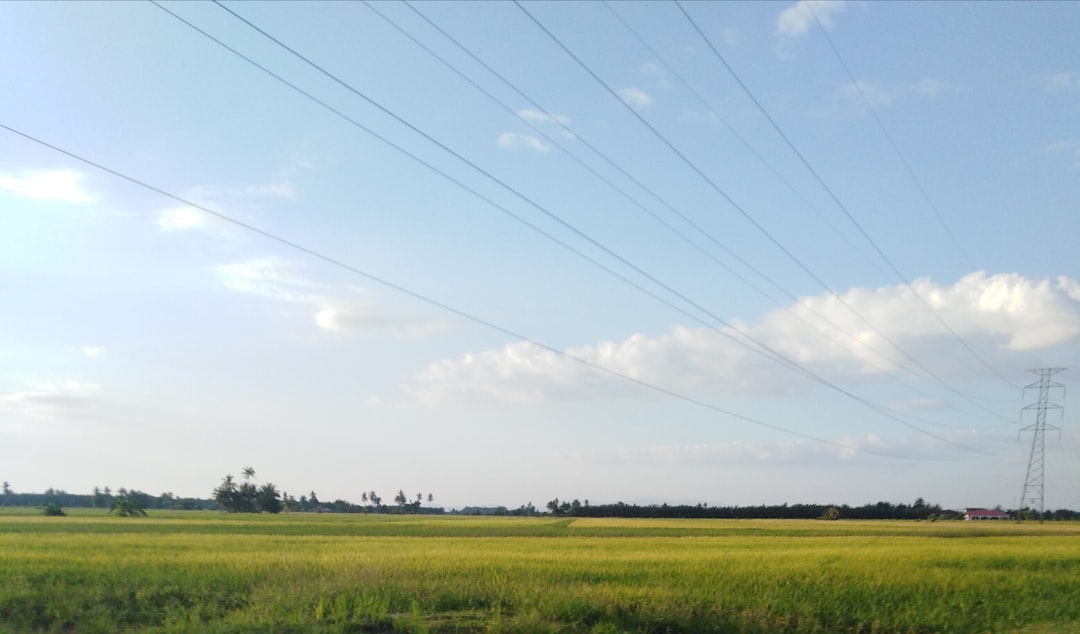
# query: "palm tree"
[[249, 473], [268, 499], [225, 495]]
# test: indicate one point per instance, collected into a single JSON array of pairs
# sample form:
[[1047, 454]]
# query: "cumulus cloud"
[[795, 22], [62, 185], [516, 140], [1005, 314], [635, 97], [344, 313]]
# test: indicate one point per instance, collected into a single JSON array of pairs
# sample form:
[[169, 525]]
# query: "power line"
[[731, 129], [455, 181], [562, 148], [888, 137], [633, 179], [577, 136], [448, 308], [759, 346], [840, 204], [742, 211], [812, 207]]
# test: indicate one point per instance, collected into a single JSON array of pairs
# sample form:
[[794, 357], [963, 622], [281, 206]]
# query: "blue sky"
[[633, 254]]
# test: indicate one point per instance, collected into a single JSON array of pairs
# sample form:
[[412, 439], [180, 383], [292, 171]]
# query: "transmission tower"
[[1033, 484]]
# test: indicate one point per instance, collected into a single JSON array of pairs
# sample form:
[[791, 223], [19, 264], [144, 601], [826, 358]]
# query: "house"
[[985, 514]]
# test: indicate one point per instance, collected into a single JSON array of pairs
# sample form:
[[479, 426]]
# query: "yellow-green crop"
[[295, 573]]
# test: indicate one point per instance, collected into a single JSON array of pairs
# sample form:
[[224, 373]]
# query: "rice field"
[[208, 572]]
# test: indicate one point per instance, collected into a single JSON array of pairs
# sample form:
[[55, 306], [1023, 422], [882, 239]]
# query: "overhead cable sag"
[[746, 214], [759, 347], [892, 266], [309, 251]]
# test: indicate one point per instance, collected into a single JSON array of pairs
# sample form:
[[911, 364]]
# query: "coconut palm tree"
[[268, 499], [226, 494]]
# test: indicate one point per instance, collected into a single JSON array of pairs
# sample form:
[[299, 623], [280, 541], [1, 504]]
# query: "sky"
[[723, 253]]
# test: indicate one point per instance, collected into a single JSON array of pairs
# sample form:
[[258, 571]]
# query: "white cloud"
[[63, 185], [1004, 314], [236, 201], [517, 373], [93, 351], [51, 401], [795, 22], [541, 118], [635, 97], [182, 218], [269, 277], [514, 139], [1070, 287], [540, 121], [279, 279]]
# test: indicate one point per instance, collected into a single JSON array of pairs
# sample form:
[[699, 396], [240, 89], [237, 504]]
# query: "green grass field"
[[191, 571]]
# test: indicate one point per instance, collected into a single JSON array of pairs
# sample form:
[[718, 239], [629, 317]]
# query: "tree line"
[[103, 498], [246, 496], [919, 510]]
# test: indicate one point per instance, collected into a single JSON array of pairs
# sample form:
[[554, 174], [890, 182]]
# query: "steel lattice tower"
[[1033, 484]]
